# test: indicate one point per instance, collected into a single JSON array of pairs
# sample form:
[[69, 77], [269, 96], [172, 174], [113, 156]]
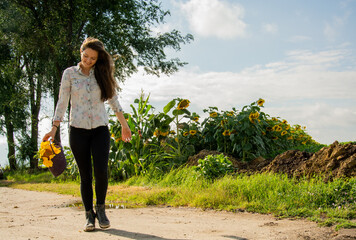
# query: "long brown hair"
[[104, 68]]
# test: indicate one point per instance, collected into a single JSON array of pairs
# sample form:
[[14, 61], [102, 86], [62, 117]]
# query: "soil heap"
[[334, 161]]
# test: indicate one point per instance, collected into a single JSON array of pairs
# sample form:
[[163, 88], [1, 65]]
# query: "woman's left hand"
[[126, 134]]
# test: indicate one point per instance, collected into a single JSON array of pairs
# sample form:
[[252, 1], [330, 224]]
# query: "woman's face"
[[89, 58]]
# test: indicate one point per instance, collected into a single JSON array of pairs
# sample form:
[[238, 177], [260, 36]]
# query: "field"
[[234, 161]]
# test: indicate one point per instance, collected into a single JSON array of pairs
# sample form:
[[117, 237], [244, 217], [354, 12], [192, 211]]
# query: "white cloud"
[[270, 28], [332, 28], [162, 28], [325, 121], [215, 18], [303, 88]]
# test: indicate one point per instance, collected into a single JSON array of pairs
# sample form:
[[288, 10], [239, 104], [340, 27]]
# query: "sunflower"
[[223, 122], [260, 102], [283, 133], [193, 132], [47, 162], [290, 138], [156, 133], [183, 104], [195, 119], [213, 114], [48, 151], [253, 116], [275, 138], [230, 114], [226, 133], [284, 121], [185, 134], [164, 134], [277, 128], [269, 129]]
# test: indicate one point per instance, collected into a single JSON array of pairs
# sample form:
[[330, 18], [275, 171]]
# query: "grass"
[[328, 203]]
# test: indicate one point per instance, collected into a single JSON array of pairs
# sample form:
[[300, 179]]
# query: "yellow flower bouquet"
[[53, 157]]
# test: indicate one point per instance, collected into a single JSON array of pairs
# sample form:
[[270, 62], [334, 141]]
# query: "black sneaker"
[[90, 224], [101, 216]]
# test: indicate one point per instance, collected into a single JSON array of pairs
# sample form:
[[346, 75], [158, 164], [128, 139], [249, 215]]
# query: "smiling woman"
[[88, 85], [89, 58]]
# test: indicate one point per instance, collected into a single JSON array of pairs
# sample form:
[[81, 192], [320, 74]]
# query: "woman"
[[88, 85]]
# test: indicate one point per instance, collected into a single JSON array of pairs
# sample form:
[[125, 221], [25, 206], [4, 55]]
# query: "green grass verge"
[[331, 203]]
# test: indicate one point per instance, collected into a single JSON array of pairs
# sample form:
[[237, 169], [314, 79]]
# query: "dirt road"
[[38, 215]]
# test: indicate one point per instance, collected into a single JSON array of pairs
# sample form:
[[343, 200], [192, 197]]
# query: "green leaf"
[[169, 106], [147, 110], [177, 112], [131, 124], [134, 110], [144, 105]]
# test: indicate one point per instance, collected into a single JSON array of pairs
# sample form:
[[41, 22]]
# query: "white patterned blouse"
[[87, 109]]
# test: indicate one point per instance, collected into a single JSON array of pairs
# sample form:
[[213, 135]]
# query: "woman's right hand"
[[50, 134]]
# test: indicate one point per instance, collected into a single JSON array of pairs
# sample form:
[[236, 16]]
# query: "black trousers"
[[91, 148]]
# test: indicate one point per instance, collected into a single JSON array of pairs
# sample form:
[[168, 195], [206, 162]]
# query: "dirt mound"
[[288, 162], [334, 161]]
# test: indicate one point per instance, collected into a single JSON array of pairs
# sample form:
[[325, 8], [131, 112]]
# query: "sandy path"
[[38, 215]]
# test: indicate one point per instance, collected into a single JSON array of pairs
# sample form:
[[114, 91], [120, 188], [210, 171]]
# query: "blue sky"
[[298, 55]]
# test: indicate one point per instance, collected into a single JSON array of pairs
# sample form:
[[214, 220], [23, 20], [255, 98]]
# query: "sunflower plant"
[[236, 132], [191, 134], [179, 112], [173, 137], [217, 129], [247, 136]]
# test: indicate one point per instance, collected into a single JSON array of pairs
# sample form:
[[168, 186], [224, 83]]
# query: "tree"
[[123, 25], [31, 57], [58, 27], [12, 100]]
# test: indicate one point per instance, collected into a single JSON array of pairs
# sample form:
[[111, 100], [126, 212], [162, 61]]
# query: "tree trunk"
[[35, 96], [10, 139], [35, 110]]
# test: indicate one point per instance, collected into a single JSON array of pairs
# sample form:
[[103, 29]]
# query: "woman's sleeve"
[[115, 104], [63, 99]]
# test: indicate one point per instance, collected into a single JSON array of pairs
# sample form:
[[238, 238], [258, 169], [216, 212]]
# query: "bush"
[[214, 166]]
